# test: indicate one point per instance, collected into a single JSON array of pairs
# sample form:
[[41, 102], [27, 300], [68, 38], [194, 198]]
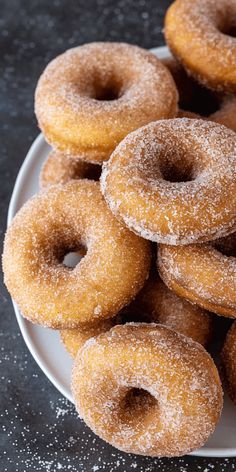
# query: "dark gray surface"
[[39, 430]]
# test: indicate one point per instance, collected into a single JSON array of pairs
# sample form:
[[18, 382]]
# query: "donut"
[[58, 221], [200, 34], [196, 101], [147, 390], [59, 168], [89, 98], [173, 181], [156, 303], [74, 339], [228, 359], [203, 274]]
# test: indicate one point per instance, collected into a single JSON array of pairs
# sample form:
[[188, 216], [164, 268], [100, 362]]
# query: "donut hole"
[[107, 94], [176, 169], [229, 27], [72, 257], [136, 405], [231, 31], [108, 90], [173, 173]]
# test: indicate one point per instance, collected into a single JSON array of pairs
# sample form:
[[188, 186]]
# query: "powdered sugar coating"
[[72, 106], [202, 275], [198, 34], [173, 181], [147, 390], [60, 168], [56, 222]]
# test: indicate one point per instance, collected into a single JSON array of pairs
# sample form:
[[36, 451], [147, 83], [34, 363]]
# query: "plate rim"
[[34, 148], [12, 210]]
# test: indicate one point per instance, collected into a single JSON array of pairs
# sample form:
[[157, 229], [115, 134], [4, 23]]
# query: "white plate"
[[44, 343]]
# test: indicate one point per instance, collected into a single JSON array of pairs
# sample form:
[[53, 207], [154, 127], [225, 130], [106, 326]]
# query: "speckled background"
[[39, 430]]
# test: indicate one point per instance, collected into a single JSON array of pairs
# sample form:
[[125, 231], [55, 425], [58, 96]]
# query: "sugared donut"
[[161, 305], [173, 181], [200, 34], [55, 223], [155, 303], [196, 101], [74, 339], [60, 168], [89, 98], [228, 358], [203, 274], [147, 390]]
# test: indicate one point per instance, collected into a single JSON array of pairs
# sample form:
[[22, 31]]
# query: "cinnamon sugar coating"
[[60, 168], [57, 222], [173, 181], [198, 32], [89, 98], [228, 358], [147, 390], [202, 274]]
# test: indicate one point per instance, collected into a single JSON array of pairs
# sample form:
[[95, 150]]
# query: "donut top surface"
[[180, 396], [173, 181], [90, 97], [201, 33], [55, 222]]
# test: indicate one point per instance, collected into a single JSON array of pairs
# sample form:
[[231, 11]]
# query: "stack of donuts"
[[141, 185]]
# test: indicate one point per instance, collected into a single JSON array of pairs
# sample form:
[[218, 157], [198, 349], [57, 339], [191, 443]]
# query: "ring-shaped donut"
[[199, 35], [55, 223], [147, 390], [89, 98], [173, 181]]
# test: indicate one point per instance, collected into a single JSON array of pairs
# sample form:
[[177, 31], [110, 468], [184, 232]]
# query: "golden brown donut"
[[89, 98], [60, 168], [198, 32], [228, 358], [147, 390], [56, 222], [161, 305], [173, 181], [203, 274], [74, 339], [196, 101]]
